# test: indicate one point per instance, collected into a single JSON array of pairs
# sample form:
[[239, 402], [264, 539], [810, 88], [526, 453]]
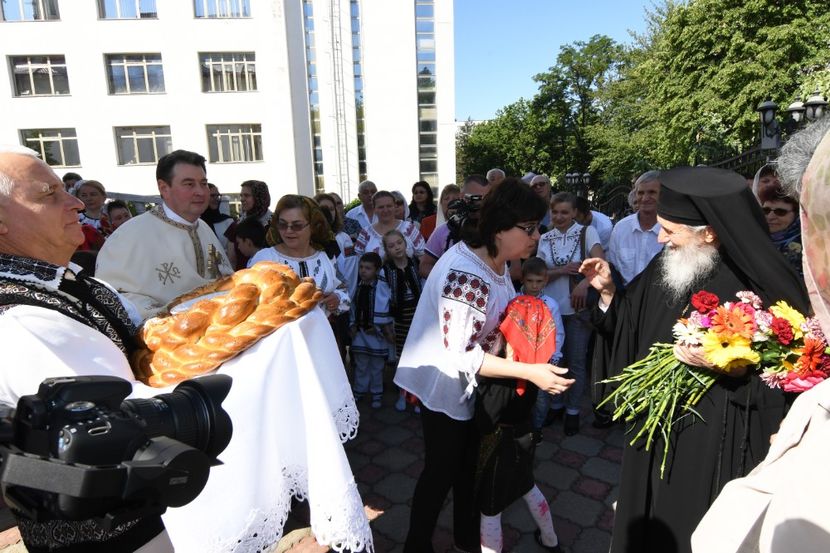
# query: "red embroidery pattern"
[[466, 288]]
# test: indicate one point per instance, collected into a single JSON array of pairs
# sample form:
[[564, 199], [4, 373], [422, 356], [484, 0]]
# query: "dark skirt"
[[504, 471], [403, 320]]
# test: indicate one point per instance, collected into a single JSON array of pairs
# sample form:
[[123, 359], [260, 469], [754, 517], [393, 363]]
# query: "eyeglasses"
[[779, 211], [529, 229], [293, 226], [214, 195]]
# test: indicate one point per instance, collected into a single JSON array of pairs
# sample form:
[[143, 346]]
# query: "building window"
[[137, 145], [39, 75], [135, 74], [127, 9], [313, 95], [228, 71], [57, 147], [222, 8], [425, 69], [29, 10], [234, 143]]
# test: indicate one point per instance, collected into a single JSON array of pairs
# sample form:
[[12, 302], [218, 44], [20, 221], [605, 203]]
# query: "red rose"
[[782, 330], [705, 301]]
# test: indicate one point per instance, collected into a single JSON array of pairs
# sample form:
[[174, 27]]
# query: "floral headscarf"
[[815, 231], [262, 199]]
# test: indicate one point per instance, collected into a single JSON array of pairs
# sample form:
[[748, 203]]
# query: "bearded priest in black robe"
[[716, 239]]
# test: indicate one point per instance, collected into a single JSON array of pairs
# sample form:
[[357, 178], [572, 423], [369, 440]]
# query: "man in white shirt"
[[585, 216], [168, 250], [364, 214], [634, 239]]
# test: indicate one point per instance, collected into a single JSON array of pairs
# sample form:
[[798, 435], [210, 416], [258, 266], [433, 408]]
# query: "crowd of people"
[[428, 290]]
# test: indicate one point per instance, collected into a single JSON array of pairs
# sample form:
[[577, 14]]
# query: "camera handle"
[[22, 472]]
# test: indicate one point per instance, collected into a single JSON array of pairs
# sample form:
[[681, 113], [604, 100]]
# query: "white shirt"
[[632, 248], [603, 225], [369, 240], [558, 249], [359, 215], [455, 324]]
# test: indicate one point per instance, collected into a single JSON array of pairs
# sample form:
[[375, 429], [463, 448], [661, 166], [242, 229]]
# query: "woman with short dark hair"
[[453, 340]]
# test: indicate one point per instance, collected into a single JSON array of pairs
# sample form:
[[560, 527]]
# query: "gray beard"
[[684, 268]]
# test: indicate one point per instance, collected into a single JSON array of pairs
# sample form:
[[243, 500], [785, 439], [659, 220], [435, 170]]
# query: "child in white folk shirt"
[[371, 329], [401, 274], [534, 280]]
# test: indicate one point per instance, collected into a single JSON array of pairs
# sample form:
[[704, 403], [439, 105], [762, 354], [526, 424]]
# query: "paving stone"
[[517, 516], [579, 509], [602, 470], [591, 540], [413, 423], [370, 474], [394, 459], [566, 531], [606, 520], [414, 470], [612, 496], [396, 487], [582, 444], [370, 426], [569, 458], [611, 453], [556, 476], [393, 435], [370, 447], [357, 460], [393, 523], [413, 445], [592, 488], [390, 417]]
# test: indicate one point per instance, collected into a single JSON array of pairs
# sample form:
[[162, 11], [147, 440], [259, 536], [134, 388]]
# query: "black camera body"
[[78, 450], [463, 213]]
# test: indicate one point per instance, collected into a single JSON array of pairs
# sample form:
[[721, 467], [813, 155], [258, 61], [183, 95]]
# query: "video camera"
[[462, 212], [77, 450]]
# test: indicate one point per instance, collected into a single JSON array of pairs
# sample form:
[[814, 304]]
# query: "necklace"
[[560, 260]]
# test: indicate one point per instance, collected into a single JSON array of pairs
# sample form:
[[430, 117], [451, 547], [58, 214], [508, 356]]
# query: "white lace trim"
[[347, 417], [341, 525]]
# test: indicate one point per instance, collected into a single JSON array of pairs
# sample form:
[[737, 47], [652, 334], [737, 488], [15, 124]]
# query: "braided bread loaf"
[[259, 300]]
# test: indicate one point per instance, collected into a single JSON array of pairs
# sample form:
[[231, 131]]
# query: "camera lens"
[[192, 413]]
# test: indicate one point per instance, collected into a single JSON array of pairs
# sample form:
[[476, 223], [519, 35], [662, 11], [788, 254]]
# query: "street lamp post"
[[814, 106], [770, 131]]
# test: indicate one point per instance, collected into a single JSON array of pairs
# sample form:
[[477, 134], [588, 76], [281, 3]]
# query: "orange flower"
[[811, 355], [732, 322]]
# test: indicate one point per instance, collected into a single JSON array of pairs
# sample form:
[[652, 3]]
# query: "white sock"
[[491, 538], [540, 511]]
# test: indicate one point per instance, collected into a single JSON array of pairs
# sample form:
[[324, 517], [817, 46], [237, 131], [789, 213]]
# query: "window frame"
[[249, 138], [40, 145], [209, 65], [142, 132], [44, 9], [32, 68], [243, 8], [125, 65]]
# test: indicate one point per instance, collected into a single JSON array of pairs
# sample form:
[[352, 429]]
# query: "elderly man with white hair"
[[56, 320], [715, 240], [364, 213], [495, 176]]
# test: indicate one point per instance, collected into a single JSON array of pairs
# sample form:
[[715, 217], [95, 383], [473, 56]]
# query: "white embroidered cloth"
[[292, 408]]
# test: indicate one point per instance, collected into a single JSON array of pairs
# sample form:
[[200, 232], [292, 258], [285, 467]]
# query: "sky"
[[501, 44]]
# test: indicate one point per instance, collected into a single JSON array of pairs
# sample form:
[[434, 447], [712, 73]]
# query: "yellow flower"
[[796, 319], [728, 352]]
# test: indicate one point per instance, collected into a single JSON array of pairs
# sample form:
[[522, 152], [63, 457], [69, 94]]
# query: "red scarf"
[[530, 332]]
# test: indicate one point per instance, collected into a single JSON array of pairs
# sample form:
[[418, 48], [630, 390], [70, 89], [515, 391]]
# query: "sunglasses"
[[529, 229], [779, 211], [294, 226]]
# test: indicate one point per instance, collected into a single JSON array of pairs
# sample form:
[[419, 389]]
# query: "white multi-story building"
[[306, 95]]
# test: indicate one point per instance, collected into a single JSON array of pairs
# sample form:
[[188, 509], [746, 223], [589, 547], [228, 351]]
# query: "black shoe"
[[602, 419], [571, 424], [551, 548], [553, 415]]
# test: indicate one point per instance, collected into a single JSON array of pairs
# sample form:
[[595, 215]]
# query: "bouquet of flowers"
[[787, 349]]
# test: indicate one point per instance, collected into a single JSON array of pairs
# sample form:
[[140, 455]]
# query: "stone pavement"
[[579, 475]]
